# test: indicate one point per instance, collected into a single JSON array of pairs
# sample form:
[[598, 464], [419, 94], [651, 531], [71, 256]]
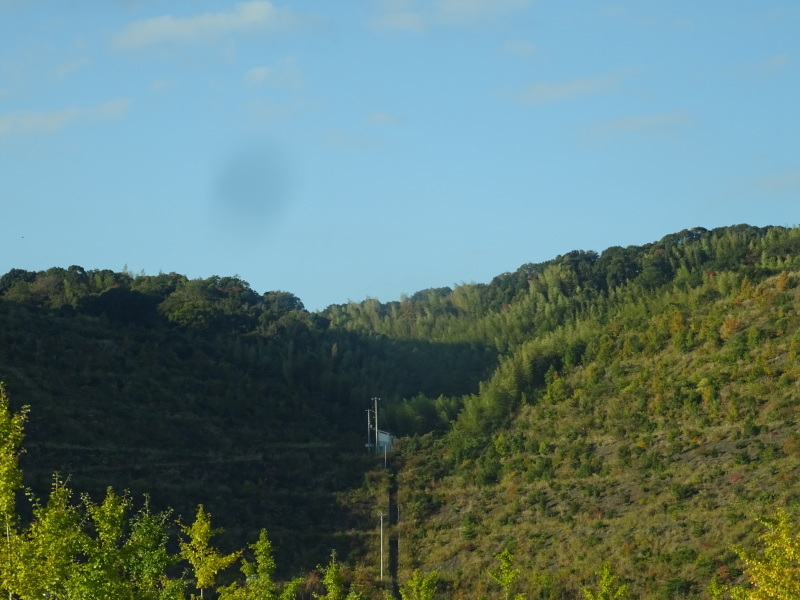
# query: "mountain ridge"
[[544, 388]]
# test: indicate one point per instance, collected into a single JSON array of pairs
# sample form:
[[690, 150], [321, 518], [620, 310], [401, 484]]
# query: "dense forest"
[[635, 408]]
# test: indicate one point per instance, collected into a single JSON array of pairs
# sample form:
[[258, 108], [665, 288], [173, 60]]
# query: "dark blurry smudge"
[[252, 183]]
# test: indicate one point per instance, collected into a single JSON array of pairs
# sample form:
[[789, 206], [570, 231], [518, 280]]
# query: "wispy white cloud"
[[545, 92], [265, 111], [31, 122], [613, 10], [784, 181], [661, 123], [468, 12], [520, 48], [399, 21], [344, 140], [635, 19], [681, 23], [411, 16], [767, 66], [284, 73], [159, 84], [780, 15], [779, 61], [384, 118], [67, 68], [257, 75], [244, 17]]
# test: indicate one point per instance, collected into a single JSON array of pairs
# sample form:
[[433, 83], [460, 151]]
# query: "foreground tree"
[[336, 587], [420, 586], [11, 435], [773, 573], [206, 561], [259, 583], [606, 587], [82, 550], [506, 575]]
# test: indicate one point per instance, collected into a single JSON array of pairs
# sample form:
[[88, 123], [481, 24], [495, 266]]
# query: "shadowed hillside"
[[637, 406]]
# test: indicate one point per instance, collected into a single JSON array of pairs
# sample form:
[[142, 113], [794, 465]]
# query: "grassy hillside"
[[637, 406], [655, 450]]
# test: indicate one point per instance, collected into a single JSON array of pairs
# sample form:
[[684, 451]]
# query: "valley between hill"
[[636, 407]]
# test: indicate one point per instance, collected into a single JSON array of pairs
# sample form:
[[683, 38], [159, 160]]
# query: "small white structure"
[[385, 441], [377, 440]]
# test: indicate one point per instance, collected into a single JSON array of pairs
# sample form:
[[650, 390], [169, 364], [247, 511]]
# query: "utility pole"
[[369, 430], [375, 400], [372, 424], [381, 546]]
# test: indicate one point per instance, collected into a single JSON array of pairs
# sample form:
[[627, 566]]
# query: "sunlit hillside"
[[635, 407]]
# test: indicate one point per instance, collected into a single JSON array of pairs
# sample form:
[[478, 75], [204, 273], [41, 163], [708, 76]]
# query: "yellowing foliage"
[[774, 574]]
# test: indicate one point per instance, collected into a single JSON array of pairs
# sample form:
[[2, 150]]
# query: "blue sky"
[[340, 150]]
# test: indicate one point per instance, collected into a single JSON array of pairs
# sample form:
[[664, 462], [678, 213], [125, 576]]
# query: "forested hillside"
[[204, 391], [637, 406]]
